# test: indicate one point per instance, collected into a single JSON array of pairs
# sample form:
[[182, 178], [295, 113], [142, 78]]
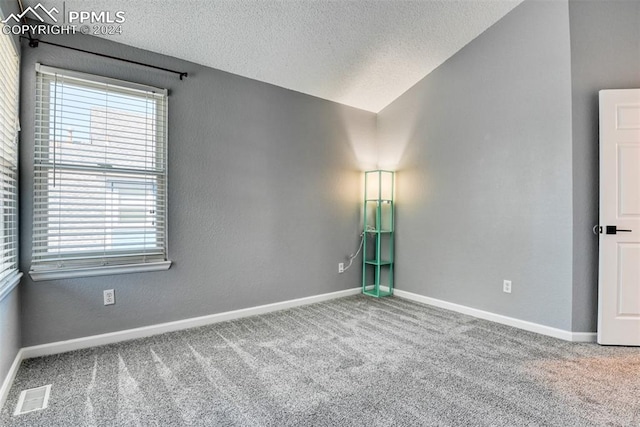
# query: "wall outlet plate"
[[109, 297], [506, 286], [341, 267]]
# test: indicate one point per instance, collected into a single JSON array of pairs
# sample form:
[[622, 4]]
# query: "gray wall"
[[10, 306], [483, 149], [493, 184], [8, 7], [9, 331], [605, 54], [263, 199]]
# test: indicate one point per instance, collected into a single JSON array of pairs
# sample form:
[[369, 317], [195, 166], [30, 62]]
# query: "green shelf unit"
[[378, 245]]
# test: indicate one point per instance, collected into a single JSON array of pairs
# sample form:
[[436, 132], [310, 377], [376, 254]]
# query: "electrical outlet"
[[506, 286], [109, 297], [341, 267]]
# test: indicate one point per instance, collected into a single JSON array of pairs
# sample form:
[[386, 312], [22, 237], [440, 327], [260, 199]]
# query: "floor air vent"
[[33, 399]]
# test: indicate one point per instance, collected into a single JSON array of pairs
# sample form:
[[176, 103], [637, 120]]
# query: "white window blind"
[[9, 93], [100, 184]]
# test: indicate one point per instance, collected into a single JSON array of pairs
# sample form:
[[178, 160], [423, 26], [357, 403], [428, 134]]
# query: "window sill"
[[7, 287], [38, 276]]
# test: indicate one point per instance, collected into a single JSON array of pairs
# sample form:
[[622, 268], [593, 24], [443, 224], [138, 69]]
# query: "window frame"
[[12, 279], [43, 271]]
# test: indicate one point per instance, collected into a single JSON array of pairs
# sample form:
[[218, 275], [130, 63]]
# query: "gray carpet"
[[355, 361]]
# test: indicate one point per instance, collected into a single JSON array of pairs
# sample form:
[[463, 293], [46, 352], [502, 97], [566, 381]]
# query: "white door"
[[619, 276]]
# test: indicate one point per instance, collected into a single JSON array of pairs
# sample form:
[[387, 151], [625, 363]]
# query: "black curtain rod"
[[34, 43]]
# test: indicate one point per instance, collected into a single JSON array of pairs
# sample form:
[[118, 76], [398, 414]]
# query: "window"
[[100, 185], [9, 80]]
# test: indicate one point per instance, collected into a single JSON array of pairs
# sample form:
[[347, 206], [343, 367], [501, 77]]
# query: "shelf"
[[382, 262], [380, 200], [379, 231], [372, 293]]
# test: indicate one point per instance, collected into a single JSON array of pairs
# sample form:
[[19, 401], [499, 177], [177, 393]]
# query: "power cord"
[[355, 255]]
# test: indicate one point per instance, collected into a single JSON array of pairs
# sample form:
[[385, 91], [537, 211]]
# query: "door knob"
[[613, 229]]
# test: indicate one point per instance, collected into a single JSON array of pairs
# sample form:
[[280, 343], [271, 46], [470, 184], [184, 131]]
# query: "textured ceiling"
[[363, 53]]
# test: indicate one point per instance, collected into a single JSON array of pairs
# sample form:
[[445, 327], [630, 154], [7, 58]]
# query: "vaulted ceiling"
[[362, 53]]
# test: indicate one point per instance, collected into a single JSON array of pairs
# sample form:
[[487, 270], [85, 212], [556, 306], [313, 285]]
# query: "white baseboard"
[[583, 336], [194, 322], [498, 318], [11, 375]]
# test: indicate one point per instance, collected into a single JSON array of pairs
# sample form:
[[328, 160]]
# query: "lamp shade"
[[379, 185]]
